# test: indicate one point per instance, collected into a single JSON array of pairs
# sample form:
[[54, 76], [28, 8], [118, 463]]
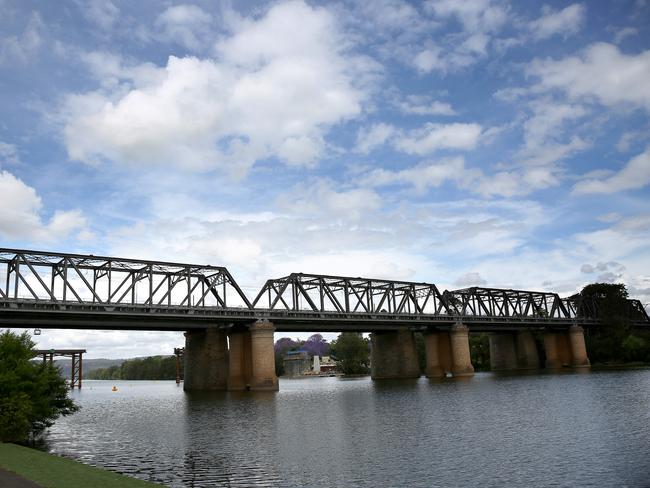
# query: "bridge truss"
[[87, 279], [39, 289]]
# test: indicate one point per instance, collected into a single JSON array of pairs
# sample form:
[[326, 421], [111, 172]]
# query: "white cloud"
[[434, 137], [321, 198], [187, 25], [373, 137], [635, 174], [421, 177], [22, 48], [420, 105], [475, 16], [20, 209], [470, 279], [102, 13], [601, 72], [8, 154], [276, 87], [565, 22], [625, 32], [429, 60]]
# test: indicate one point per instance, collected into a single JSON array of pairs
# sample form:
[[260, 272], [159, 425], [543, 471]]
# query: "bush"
[[32, 394]]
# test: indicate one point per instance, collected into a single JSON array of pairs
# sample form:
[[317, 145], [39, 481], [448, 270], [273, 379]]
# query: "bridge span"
[[229, 338]]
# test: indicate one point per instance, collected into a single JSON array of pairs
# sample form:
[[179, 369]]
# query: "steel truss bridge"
[[58, 290]]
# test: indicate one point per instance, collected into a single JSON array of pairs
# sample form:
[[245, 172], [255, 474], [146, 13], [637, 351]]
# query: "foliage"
[[32, 393], [420, 349], [479, 347], [316, 345], [352, 353], [149, 368], [613, 339], [606, 302], [282, 346]]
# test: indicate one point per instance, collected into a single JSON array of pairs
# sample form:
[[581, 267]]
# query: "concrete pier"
[[206, 360], [394, 355], [503, 351], [527, 355], [510, 351], [262, 357], [239, 359], [461, 361], [579, 357], [566, 348], [438, 354]]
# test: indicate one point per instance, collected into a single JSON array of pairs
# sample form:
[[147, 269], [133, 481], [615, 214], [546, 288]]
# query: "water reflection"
[[491, 430]]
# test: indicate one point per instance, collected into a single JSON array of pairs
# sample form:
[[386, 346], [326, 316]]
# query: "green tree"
[[32, 394], [149, 368], [608, 303], [479, 347], [612, 339], [352, 353]]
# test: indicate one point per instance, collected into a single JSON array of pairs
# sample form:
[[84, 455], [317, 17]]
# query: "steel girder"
[[321, 293], [76, 278], [496, 302]]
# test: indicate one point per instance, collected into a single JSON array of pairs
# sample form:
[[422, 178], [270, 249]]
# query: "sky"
[[456, 142]]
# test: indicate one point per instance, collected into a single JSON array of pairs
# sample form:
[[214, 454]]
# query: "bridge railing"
[[64, 278]]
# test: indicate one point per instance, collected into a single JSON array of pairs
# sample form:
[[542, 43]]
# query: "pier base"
[[566, 348], [511, 351], [393, 355], [206, 360], [461, 360]]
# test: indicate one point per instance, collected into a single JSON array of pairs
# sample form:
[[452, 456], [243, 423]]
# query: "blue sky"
[[463, 143]]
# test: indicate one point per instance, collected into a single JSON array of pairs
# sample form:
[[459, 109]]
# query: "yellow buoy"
[[114, 388]]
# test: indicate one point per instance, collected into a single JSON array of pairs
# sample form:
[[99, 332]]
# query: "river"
[[560, 430]]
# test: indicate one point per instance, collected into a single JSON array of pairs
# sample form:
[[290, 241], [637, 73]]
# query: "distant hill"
[[88, 365]]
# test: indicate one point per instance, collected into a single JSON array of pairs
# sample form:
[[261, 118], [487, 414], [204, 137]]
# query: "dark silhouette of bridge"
[[60, 290]]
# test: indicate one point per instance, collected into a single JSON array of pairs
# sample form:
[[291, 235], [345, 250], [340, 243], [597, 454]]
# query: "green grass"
[[57, 472]]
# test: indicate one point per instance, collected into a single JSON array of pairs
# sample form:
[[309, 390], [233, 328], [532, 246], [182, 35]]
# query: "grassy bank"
[[56, 472]]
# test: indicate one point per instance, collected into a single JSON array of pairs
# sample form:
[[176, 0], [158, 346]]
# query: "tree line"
[[149, 368]]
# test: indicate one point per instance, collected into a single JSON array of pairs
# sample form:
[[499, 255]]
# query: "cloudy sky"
[[457, 142]]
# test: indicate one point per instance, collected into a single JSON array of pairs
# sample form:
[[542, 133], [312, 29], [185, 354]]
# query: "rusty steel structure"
[[179, 353], [76, 362], [57, 290]]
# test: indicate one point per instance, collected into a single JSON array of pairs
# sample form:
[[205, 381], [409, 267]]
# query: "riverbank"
[[51, 471]]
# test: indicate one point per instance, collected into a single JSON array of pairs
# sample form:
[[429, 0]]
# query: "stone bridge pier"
[[511, 351], [566, 348], [447, 352], [241, 358]]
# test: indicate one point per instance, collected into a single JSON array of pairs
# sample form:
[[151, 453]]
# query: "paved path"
[[11, 480]]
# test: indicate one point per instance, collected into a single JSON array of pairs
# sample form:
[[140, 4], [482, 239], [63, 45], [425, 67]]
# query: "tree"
[[316, 345], [32, 394], [612, 338], [352, 353], [281, 347], [479, 346]]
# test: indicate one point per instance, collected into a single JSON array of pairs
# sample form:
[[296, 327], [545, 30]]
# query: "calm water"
[[568, 430]]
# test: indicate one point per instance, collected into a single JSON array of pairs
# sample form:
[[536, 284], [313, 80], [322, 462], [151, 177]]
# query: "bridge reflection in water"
[[229, 339]]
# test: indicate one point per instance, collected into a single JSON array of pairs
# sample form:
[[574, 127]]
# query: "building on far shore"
[[296, 363], [323, 365]]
